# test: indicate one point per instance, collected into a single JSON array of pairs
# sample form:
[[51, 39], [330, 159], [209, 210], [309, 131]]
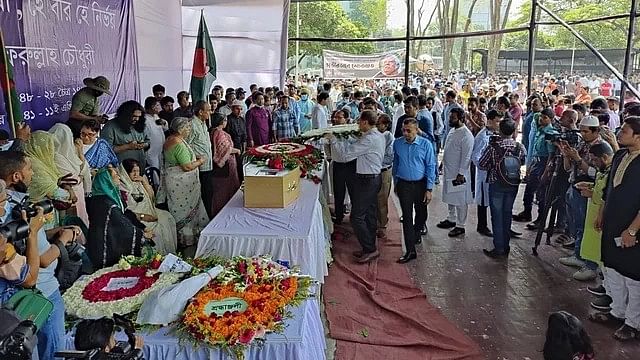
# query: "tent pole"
[[532, 46], [295, 80], [627, 54], [407, 44]]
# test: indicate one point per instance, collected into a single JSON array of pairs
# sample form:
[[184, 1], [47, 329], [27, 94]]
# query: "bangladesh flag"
[[8, 87], [204, 64]]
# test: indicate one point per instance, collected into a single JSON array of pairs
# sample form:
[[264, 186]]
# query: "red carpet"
[[376, 312]]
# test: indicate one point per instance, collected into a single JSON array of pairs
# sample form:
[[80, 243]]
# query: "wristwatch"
[[632, 232]]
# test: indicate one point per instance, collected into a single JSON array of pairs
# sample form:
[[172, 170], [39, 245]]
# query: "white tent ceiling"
[[249, 39]]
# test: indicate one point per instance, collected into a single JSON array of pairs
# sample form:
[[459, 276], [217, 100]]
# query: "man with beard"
[[125, 133], [474, 118], [183, 110], [620, 249], [259, 122], [167, 109], [456, 191]]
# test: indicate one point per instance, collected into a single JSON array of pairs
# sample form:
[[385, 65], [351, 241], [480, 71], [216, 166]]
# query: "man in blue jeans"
[[576, 160], [16, 171], [502, 192]]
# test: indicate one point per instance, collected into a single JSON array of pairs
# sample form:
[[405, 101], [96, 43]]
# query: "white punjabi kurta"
[[456, 160], [482, 187]]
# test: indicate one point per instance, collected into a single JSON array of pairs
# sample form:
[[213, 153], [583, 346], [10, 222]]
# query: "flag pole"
[[6, 89]]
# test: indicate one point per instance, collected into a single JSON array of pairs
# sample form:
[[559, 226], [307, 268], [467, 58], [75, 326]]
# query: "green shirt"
[[85, 103], [115, 136]]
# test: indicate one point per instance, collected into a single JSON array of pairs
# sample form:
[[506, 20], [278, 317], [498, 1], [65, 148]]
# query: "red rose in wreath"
[[276, 163]]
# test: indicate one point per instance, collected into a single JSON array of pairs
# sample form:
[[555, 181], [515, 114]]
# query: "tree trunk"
[[463, 48], [498, 22]]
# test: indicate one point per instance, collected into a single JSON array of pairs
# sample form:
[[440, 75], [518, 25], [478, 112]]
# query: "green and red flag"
[[204, 64], [8, 87]]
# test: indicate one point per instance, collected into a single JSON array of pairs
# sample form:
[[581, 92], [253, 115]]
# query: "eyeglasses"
[[88, 135]]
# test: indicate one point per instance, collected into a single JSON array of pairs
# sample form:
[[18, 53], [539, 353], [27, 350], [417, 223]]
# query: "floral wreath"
[[90, 298], [265, 287], [282, 156]]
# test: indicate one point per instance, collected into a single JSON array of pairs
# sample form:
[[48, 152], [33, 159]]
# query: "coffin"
[[270, 188]]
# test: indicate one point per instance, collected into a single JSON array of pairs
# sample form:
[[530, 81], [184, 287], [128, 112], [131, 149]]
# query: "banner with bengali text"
[[54, 44], [388, 65]]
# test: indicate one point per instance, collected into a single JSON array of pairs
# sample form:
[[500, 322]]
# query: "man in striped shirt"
[[285, 121]]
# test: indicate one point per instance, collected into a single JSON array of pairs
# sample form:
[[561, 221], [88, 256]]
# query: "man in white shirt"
[[368, 152], [319, 116]]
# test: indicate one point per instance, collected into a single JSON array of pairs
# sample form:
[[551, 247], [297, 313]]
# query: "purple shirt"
[[258, 125]]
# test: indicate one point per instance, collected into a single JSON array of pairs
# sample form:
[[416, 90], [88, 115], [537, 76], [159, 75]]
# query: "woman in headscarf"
[[98, 152], [112, 233], [140, 198], [69, 159], [179, 183], [46, 182], [224, 164]]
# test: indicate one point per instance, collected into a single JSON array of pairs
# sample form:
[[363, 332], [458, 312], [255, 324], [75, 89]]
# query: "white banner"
[[388, 65]]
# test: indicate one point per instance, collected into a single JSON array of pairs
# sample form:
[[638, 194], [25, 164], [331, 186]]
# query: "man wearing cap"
[[576, 160], [84, 104]]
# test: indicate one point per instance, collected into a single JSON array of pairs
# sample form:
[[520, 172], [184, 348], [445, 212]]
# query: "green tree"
[[371, 15], [325, 19]]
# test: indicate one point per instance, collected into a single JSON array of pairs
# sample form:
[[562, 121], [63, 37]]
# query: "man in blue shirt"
[[414, 176], [16, 171], [540, 150]]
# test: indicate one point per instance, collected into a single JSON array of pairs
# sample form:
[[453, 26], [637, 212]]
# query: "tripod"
[[553, 198]]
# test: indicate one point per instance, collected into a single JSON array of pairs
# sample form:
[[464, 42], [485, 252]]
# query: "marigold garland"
[[267, 287]]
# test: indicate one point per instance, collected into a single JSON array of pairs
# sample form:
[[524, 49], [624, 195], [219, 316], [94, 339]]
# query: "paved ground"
[[504, 306]]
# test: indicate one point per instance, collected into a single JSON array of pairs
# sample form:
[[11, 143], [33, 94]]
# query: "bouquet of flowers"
[[340, 131], [246, 301], [121, 288]]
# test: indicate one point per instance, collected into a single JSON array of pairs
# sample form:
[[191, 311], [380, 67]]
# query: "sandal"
[[562, 239], [605, 318], [626, 333]]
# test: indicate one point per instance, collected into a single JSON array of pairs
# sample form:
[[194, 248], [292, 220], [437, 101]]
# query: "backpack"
[[30, 304], [509, 167]]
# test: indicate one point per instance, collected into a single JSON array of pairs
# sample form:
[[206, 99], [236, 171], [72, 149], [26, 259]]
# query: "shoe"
[[626, 333], [495, 254], [598, 290], [585, 274], [533, 226], [514, 233], [570, 243], [572, 261], [381, 233], [485, 232], [457, 231], [407, 257], [418, 239], [365, 258], [522, 217], [446, 224], [562, 239], [602, 303], [357, 254], [605, 318]]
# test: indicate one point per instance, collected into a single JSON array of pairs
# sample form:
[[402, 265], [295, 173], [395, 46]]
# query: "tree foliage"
[[371, 15], [326, 19], [609, 34]]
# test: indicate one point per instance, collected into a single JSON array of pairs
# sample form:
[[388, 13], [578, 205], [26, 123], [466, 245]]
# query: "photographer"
[[18, 270], [16, 171], [99, 334], [501, 151], [576, 160]]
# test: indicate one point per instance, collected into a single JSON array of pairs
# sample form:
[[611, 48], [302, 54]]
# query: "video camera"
[[17, 230], [572, 137], [16, 341], [124, 350]]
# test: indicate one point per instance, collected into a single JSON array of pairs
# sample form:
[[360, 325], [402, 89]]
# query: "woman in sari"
[[179, 183], [69, 159], [98, 152], [140, 199], [226, 181], [47, 181], [112, 233]]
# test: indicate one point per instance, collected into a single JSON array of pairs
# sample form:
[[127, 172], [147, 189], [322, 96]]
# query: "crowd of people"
[[122, 183]]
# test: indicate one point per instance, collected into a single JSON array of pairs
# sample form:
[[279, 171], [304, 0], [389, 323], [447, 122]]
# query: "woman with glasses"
[[97, 152]]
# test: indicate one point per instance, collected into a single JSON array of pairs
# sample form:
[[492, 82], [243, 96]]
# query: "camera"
[[124, 350], [75, 251], [20, 342], [572, 137], [17, 231]]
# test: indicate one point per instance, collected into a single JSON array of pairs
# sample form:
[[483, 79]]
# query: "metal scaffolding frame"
[[536, 7]]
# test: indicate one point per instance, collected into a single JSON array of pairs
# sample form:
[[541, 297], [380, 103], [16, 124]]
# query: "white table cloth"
[[295, 233]]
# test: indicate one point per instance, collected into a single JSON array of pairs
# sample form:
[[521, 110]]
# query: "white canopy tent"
[[249, 39]]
